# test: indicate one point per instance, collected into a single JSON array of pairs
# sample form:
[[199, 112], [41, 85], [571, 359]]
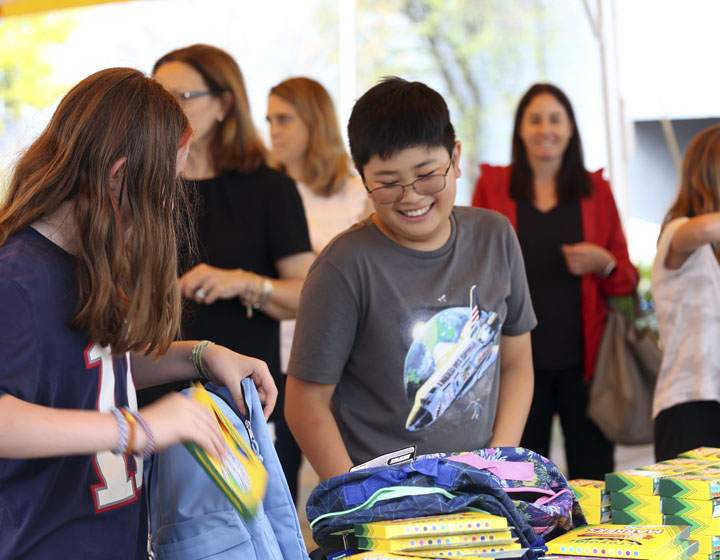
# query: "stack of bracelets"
[[126, 420], [196, 358]]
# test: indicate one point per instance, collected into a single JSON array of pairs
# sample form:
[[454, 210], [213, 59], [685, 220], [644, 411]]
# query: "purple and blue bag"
[[522, 486]]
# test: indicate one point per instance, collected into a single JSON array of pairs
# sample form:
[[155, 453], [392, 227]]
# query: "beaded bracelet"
[[123, 429], [196, 358], [131, 423], [149, 447]]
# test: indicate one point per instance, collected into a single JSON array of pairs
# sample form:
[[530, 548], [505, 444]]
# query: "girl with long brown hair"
[[90, 310], [686, 291]]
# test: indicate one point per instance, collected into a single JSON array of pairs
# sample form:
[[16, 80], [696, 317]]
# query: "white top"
[[326, 217], [687, 306]]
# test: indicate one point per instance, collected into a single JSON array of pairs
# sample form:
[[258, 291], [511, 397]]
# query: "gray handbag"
[[621, 389]]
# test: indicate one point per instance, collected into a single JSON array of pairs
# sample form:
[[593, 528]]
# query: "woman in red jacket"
[[575, 256]]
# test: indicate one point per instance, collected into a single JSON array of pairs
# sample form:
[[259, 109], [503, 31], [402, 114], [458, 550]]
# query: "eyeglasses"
[[182, 97], [429, 184]]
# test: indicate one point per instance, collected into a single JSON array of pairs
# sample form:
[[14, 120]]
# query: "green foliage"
[[25, 72], [476, 46]]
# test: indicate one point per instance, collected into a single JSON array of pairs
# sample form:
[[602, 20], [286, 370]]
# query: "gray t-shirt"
[[411, 338]]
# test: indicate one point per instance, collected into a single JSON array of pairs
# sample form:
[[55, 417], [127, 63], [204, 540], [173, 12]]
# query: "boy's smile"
[[416, 221]]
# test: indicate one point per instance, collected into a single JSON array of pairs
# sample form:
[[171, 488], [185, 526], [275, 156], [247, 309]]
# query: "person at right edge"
[[575, 256], [686, 290]]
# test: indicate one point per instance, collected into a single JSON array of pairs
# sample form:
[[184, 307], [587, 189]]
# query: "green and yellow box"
[[709, 453], [645, 480], [596, 515], [621, 517], [590, 492], [694, 486], [691, 508], [686, 463], [708, 544], [698, 526], [637, 503], [503, 541]]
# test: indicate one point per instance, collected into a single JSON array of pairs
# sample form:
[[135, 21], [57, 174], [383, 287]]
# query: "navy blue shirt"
[[84, 506]]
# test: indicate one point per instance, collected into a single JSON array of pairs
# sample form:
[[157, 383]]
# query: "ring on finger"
[[200, 293]]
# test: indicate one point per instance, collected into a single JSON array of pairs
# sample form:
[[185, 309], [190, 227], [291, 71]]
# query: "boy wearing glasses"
[[414, 325]]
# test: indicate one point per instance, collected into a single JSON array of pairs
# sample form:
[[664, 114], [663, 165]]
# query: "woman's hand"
[[175, 419], [585, 258], [207, 284], [229, 368]]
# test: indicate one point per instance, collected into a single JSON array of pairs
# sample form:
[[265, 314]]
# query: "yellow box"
[[691, 508], [596, 515], [698, 526], [637, 503], [620, 517], [621, 541], [644, 480], [702, 453], [590, 492], [466, 522], [694, 486], [707, 544]]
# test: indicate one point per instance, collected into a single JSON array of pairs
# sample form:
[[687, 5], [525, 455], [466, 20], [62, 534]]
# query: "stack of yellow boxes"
[[694, 500], [444, 536], [634, 496], [594, 499]]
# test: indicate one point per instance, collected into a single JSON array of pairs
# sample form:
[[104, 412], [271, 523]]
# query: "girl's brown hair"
[[700, 179], [328, 163], [236, 145], [127, 276]]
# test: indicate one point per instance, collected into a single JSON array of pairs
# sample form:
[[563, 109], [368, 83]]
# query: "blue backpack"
[[530, 493]]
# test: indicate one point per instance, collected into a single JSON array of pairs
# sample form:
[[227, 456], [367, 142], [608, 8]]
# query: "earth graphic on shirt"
[[445, 360]]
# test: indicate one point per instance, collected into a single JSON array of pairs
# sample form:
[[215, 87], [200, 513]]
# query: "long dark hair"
[[128, 297], [573, 180]]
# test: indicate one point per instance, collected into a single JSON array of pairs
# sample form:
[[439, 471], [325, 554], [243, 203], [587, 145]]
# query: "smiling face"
[[419, 222], [289, 134], [545, 129]]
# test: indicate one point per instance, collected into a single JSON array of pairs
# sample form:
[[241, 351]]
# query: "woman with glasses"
[[253, 244], [575, 255], [308, 146]]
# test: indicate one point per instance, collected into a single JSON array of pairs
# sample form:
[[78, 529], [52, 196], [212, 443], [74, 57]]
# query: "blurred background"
[[641, 75], [638, 72]]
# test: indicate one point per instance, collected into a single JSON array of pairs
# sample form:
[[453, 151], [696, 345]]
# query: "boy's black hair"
[[396, 114]]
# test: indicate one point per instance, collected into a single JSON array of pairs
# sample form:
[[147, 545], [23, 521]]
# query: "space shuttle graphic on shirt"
[[459, 363]]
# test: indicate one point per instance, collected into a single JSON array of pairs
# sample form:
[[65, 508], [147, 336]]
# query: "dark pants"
[[289, 454], [589, 454], [286, 447], [686, 426]]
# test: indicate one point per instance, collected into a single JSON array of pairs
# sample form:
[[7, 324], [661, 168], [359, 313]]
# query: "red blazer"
[[601, 225]]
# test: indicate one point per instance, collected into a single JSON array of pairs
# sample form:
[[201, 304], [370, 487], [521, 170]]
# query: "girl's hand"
[[176, 419], [229, 368], [585, 258]]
